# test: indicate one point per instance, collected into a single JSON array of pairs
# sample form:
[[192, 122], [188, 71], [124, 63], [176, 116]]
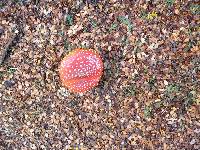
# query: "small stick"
[[4, 51]]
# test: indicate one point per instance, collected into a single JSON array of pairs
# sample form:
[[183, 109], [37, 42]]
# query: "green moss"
[[69, 20], [195, 9], [170, 2], [113, 26], [148, 111], [126, 22]]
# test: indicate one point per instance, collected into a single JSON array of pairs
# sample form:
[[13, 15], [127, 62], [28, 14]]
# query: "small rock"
[[192, 141], [63, 92], [196, 130], [33, 146], [9, 83], [165, 82], [136, 105], [176, 11]]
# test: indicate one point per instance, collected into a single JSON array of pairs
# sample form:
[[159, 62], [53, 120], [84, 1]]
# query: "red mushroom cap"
[[81, 70]]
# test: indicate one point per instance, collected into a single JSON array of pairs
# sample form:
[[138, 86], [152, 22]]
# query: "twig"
[[5, 52], [6, 49]]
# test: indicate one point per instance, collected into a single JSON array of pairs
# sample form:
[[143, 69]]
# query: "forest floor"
[[147, 99]]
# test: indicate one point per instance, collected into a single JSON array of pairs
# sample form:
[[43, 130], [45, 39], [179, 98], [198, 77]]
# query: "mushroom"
[[81, 70]]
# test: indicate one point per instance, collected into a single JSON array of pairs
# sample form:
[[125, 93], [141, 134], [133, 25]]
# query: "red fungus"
[[81, 70]]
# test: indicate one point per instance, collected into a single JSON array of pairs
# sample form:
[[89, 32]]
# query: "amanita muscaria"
[[81, 70]]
